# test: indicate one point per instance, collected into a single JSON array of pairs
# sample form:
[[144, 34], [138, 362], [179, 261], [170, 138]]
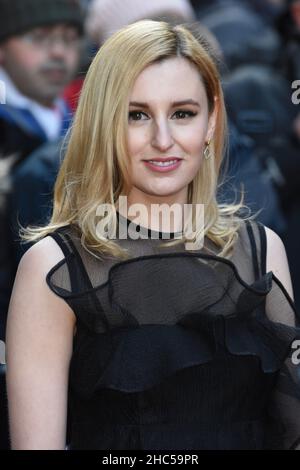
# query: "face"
[[42, 61], [168, 127]]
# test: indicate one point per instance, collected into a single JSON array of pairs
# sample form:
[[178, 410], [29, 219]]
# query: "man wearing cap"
[[39, 55]]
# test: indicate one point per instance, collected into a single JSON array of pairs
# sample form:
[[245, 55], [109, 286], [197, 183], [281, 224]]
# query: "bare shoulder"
[[30, 286], [39, 341], [43, 254], [277, 261], [276, 254]]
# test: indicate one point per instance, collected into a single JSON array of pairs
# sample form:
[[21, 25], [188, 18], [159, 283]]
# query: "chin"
[[163, 192]]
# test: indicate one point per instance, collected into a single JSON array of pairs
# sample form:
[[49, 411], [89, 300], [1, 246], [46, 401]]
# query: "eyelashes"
[[186, 113]]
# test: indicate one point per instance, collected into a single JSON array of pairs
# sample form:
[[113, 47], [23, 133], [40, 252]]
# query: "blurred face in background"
[[42, 61]]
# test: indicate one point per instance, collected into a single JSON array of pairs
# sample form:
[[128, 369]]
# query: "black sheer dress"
[[179, 350]]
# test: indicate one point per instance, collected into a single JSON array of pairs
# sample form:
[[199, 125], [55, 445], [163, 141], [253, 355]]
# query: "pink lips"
[[160, 164]]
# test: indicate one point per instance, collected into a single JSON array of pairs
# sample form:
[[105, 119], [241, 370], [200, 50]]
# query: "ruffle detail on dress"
[[135, 359], [143, 357], [156, 289], [157, 315], [260, 337]]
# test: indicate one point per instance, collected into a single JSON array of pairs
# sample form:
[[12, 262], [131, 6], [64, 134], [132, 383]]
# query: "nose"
[[162, 138], [57, 48]]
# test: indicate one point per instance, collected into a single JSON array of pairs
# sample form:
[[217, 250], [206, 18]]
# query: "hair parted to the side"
[[95, 169]]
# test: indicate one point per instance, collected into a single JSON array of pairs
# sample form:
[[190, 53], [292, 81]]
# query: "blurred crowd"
[[46, 47]]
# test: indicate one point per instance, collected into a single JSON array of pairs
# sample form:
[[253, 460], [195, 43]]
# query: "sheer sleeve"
[[284, 323], [284, 409]]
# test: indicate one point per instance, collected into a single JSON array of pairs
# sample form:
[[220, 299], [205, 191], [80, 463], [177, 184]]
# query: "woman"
[[148, 344]]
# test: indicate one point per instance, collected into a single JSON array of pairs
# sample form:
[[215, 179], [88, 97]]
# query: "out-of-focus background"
[[46, 47]]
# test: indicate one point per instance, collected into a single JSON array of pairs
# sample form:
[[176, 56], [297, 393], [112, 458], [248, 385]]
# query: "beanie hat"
[[107, 16], [19, 16]]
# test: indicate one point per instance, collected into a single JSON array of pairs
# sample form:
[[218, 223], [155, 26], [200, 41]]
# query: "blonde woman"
[[138, 342]]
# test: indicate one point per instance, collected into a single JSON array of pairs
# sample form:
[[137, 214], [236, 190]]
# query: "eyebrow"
[[174, 104]]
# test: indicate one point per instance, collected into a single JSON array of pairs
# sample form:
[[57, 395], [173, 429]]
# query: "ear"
[[212, 121]]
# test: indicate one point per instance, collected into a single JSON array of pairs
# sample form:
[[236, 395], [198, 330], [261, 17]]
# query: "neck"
[[158, 213]]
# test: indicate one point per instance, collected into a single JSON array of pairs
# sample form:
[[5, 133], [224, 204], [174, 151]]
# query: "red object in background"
[[72, 92], [295, 11]]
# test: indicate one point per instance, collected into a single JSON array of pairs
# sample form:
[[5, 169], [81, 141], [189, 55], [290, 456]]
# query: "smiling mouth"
[[163, 163]]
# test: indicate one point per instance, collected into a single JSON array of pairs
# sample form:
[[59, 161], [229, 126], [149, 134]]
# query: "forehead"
[[169, 79], [57, 27]]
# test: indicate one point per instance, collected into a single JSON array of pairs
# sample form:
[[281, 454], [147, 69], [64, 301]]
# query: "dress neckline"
[[146, 231]]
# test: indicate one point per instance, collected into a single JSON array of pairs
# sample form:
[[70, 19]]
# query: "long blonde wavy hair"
[[94, 170]]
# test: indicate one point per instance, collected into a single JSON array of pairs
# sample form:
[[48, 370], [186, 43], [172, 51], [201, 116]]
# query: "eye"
[[182, 114], [135, 115]]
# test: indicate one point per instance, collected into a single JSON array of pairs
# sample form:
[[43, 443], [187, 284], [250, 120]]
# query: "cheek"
[[192, 139], [27, 63], [72, 59], [137, 140], [194, 143]]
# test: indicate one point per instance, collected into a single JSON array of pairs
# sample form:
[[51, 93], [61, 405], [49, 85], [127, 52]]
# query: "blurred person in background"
[[245, 34], [33, 180], [288, 26], [268, 9], [39, 55], [107, 16]]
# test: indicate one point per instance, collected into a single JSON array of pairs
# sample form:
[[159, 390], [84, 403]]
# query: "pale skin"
[[41, 325], [159, 128]]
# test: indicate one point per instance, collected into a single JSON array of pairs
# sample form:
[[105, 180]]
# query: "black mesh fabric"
[[180, 350]]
